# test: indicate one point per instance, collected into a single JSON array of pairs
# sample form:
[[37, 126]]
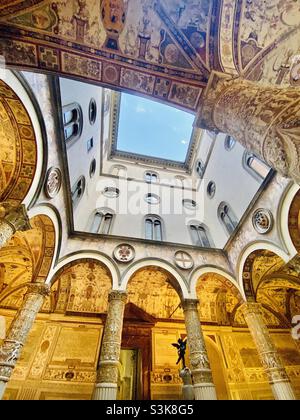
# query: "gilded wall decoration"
[[294, 221], [26, 258], [82, 287], [218, 299], [18, 152], [150, 290]]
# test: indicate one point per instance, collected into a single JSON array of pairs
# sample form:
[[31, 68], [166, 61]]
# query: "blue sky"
[[153, 129]]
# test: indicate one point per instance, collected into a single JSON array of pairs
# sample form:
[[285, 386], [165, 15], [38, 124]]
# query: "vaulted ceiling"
[[163, 48]]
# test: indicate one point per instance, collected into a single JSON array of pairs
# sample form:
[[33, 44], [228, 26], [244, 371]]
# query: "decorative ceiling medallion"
[[183, 260], [262, 221], [53, 182], [124, 253]]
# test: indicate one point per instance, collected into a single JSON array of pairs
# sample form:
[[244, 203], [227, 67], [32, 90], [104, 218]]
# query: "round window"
[[111, 192], [211, 189], [152, 199], [92, 111], [189, 204]]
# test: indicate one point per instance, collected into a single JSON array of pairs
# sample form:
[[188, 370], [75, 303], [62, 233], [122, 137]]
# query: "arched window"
[[102, 222], [78, 191], [255, 166], [227, 218], [73, 122], [153, 228], [200, 235], [151, 177]]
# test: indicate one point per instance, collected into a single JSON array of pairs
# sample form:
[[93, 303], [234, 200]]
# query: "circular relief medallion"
[[262, 221], [124, 253], [53, 182], [183, 260]]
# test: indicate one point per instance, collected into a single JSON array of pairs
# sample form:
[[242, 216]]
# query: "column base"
[[205, 392], [188, 393], [105, 391], [2, 389], [283, 391]]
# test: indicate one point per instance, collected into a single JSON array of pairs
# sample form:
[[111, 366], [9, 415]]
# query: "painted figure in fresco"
[[181, 348]]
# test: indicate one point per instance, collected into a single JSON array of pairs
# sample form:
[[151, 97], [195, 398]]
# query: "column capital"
[[16, 217], [117, 295], [190, 304], [249, 308], [41, 289]]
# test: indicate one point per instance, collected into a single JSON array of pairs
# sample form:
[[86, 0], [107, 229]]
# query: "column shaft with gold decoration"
[[200, 367], [277, 376], [11, 221], [264, 119], [19, 329], [107, 377]]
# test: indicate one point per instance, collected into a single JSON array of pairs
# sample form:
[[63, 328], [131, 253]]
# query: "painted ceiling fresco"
[[18, 148], [218, 299], [273, 284], [162, 48], [26, 258], [294, 221]]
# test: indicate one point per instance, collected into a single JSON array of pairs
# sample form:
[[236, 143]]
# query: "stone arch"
[[152, 287], [178, 282], [254, 246], [94, 255], [271, 281], [27, 257], [80, 286], [218, 294], [22, 151], [199, 271]]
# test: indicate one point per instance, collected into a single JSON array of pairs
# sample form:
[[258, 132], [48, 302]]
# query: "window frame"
[[75, 122]]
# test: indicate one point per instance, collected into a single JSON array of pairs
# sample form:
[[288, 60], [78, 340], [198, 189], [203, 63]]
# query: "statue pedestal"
[[187, 388]]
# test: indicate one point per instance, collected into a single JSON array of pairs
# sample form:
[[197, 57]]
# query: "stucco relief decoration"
[[53, 182], [113, 15], [262, 221], [124, 253], [183, 260]]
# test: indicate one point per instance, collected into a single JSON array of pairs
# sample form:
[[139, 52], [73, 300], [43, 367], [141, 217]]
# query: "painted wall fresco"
[[81, 287], [26, 258], [62, 353], [18, 154]]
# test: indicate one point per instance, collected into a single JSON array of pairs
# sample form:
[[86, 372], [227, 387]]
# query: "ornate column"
[[202, 376], [107, 377], [278, 379], [12, 220], [264, 119], [19, 329]]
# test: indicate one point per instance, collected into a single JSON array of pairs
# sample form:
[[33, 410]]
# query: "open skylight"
[[152, 129]]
